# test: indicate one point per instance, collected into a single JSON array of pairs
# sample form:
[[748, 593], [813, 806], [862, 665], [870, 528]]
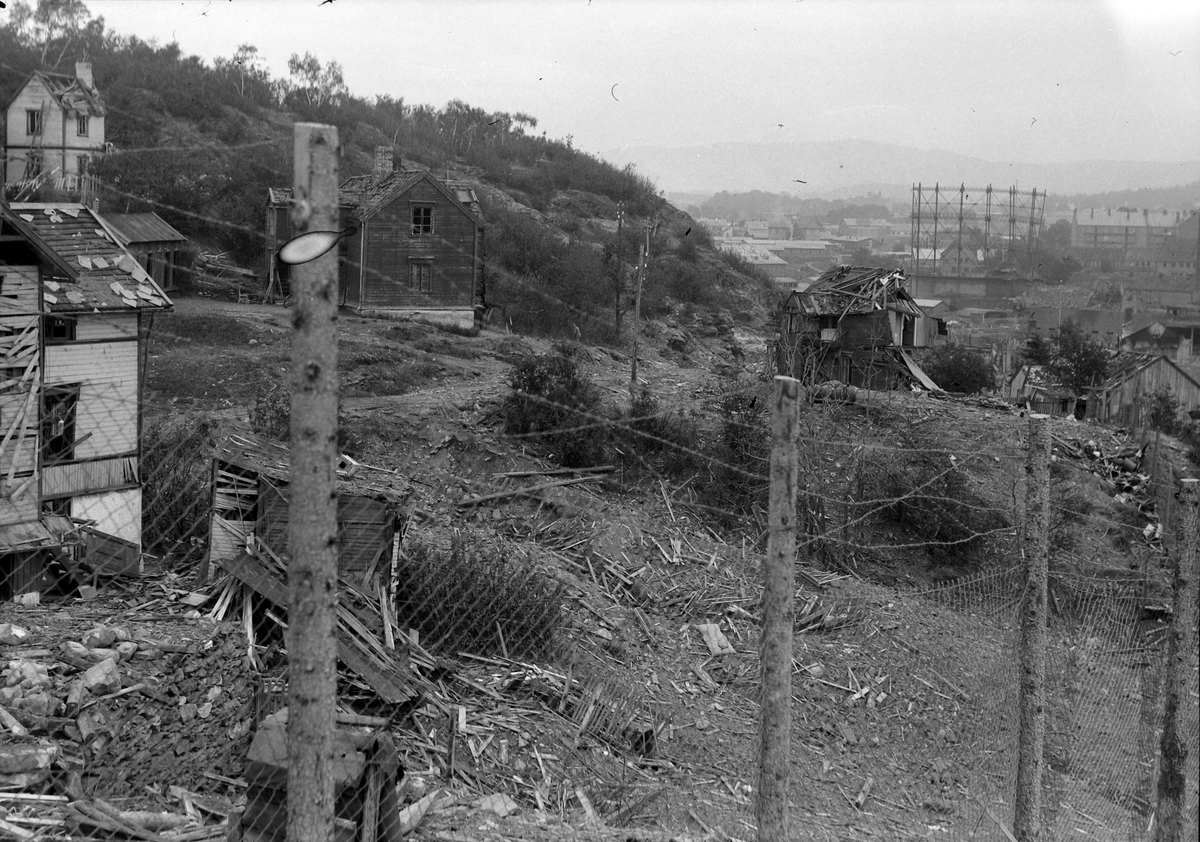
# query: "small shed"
[[1132, 378], [250, 500], [157, 246]]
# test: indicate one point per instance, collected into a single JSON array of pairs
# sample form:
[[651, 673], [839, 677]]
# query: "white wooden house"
[[72, 301], [54, 130]]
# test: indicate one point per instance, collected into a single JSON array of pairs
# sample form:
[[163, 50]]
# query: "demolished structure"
[[855, 325]]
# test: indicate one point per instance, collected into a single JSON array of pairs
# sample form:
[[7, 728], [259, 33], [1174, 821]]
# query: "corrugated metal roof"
[[104, 275], [143, 228]]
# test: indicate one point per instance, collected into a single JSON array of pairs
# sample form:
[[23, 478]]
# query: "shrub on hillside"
[[663, 441], [554, 403], [475, 598], [956, 368]]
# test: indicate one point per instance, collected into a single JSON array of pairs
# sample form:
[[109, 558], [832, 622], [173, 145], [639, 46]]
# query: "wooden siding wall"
[[869, 330], [100, 326], [117, 513], [20, 331], [365, 528], [107, 408], [73, 478], [1133, 391], [391, 245]]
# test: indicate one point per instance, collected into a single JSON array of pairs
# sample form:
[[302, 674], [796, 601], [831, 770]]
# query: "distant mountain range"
[[848, 168]]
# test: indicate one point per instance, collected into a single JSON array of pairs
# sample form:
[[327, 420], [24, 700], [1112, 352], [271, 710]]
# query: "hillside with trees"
[[200, 145]]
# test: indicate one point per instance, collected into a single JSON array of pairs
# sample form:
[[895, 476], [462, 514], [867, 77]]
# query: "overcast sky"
[[1052, 80]]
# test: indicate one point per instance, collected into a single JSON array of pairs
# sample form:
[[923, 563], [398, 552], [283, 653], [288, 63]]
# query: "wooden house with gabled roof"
[[417, 248], [72, 304]]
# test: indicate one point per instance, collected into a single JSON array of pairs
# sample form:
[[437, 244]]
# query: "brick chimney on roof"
[[383, 162], [83, 72]]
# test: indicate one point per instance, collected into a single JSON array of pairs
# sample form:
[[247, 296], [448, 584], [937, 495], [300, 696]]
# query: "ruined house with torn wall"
[[858, 326], [72, 306]]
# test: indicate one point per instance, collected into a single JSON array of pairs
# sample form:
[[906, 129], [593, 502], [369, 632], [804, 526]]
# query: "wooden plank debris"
[[715, 639]]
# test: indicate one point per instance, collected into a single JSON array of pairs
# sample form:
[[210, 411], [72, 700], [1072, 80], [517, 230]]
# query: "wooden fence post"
[[1027, 820], [1172, 810], [775, 730], [312, 492]]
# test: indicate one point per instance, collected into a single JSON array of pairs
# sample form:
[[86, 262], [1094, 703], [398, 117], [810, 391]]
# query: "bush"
[[1162, 409], [177, 455], [662, 441], [553, 402], [737, 481], [959, 369], [476, 598]]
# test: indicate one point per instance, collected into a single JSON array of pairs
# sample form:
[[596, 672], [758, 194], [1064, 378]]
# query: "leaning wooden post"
[[1027, 820], [1172, 813], [775, 729], [312, 492]]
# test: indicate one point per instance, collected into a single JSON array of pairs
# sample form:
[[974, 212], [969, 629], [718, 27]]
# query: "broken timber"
[[381, 673]]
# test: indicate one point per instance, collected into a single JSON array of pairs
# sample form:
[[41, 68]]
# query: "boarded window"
[[58, 423], [420, 276], [33, 121], [422, 220]]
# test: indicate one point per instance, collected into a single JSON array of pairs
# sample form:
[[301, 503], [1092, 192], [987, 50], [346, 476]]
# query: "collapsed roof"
[[856, 290]]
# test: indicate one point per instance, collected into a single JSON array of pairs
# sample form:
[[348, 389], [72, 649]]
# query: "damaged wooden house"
[[858, 326], [72, 305], [248, 541]]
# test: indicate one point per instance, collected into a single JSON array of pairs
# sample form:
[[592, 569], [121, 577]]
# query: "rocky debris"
[[26, 688], [12, 635], [26, 762], [103, 678]]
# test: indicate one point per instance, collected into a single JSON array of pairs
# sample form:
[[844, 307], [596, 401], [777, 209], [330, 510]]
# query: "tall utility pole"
[[619, 282], [312, 489], [643, 257]]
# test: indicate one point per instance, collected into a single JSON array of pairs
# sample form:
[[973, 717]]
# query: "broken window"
[[422, 220], [420, 276], [33, 121], [58, 423], [81, 125], [59, 329]]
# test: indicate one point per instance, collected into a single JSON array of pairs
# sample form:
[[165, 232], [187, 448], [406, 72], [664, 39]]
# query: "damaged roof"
[[94, 271], [68, 92], [273, 459], [1127, 364], [855, 290]]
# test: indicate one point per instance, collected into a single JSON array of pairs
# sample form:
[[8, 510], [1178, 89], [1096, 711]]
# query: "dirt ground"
[[903, 717]]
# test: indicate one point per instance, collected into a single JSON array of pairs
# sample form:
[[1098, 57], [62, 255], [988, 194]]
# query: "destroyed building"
[[72, 304], [858, 326]]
